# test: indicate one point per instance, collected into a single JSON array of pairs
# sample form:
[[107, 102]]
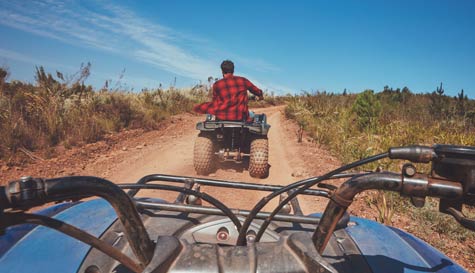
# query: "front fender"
[[47, 250], [390, 250]]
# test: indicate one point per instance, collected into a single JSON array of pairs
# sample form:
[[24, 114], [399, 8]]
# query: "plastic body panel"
[[370, 246], [15, 233], [47, 250], [391, 250]]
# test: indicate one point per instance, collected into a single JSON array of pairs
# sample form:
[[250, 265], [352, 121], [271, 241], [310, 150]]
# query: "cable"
[[266, 223], [307, 183], [213, 201], [16, 218]]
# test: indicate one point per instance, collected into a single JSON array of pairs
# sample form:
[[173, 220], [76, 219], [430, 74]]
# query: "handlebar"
[[416, 186], [256, 98], [29, 192]]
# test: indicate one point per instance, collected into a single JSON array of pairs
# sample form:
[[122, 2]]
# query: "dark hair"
[[227, 67]]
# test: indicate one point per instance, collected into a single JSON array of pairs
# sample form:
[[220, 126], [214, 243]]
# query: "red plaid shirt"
[[229, 98]]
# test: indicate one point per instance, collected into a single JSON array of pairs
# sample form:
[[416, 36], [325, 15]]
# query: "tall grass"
[[352, 129], [356, 126], [63, 110]]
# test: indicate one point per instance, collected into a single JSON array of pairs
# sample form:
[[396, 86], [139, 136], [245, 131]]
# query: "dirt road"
[[172, 153], [129, 155]]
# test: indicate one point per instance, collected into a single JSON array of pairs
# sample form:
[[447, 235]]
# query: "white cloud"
[[117, 30], [112, 28]]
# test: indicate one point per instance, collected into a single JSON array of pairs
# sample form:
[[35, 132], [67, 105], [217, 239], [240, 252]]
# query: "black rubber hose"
[[81, 186], [305, 185], [17, 218], [266, 222]]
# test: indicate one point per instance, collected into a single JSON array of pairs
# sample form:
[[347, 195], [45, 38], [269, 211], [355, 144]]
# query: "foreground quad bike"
[[125, 233], [220, 141]]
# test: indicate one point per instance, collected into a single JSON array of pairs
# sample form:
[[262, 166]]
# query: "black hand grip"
[[23, 194], [416, 154]]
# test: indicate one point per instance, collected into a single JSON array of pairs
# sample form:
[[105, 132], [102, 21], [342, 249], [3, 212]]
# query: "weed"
[[63, 109]]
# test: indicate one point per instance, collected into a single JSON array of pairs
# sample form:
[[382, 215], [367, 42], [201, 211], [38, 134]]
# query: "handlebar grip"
[[24, 193], [416, 153]]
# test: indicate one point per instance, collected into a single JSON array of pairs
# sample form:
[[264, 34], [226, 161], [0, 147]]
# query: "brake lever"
[[462, 219]]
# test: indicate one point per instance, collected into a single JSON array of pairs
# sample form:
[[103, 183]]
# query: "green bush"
[[367, 109]]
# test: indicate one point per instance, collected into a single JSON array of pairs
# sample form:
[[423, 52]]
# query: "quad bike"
[[125, 233], [220, 141]]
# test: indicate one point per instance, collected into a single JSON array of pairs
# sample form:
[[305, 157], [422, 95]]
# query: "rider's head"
[[227, 67]]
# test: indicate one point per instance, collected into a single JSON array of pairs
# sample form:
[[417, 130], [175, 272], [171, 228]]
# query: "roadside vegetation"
[[62, 110], [354, 126]]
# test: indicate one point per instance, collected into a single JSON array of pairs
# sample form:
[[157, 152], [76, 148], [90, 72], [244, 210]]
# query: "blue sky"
[[282, 46]]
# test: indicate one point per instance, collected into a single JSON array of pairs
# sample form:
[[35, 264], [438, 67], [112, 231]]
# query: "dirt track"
[[172, 153], [129, 155]]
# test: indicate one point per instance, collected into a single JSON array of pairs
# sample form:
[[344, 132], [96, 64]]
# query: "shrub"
[[367, 109], [64, 109]]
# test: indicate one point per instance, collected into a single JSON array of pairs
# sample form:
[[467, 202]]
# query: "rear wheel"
[[203, 155], [258, 161]]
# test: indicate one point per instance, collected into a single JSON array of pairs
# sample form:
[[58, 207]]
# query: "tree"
[[367, 109], [439, 106], [461, 105]]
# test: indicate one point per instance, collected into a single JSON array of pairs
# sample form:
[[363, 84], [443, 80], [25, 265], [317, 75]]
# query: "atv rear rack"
[[258, 128]]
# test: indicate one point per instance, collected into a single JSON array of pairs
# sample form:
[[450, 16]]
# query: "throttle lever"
[[462, 219]]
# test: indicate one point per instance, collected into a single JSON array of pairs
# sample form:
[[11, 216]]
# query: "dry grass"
[[352, 127], [63, 110]]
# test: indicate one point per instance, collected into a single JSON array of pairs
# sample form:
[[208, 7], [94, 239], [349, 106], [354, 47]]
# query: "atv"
[[236, 141], [121, 232]]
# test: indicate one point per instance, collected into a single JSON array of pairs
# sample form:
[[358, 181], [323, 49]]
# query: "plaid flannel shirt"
[[229, 98]]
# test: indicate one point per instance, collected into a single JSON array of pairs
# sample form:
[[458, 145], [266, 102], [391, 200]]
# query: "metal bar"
[[214, 211], [213, 201], [12, 219], [296, 205], [231, 184]]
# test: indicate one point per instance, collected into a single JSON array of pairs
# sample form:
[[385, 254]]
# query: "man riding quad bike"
[[231, 132]]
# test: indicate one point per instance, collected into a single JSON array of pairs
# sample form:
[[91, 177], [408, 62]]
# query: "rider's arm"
[[253, 89]]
